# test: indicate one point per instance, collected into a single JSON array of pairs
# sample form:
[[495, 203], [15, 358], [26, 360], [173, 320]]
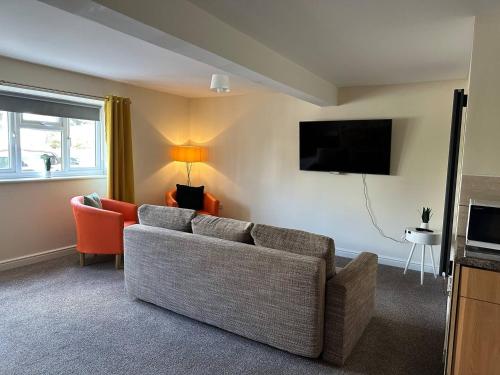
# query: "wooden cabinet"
[[477, 349], [480, 284], [476, 342]]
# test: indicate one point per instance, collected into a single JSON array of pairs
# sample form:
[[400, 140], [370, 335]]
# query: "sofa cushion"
[[296, 241], [166, 217], [223, 228], [190, 196]]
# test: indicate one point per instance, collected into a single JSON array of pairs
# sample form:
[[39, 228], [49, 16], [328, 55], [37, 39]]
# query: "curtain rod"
[[21, 85]]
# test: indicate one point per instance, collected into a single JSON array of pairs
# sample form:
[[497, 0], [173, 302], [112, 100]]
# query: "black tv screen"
[[352, 146]]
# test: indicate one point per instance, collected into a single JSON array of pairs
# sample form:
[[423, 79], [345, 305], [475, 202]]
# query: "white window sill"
[[48, 179]]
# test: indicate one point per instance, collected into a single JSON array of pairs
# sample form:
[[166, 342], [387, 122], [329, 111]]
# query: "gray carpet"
[[58, 318]]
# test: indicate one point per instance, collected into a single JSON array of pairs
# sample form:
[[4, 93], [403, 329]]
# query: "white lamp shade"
[[220, 83]]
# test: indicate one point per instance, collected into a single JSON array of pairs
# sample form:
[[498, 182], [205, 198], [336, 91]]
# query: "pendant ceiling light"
[[220, 83]]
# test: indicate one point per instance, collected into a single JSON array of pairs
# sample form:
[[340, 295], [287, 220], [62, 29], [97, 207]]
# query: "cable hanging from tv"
[[372, 215]]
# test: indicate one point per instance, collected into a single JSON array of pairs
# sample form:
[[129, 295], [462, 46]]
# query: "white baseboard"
[[390, 261], [36, 257], [62, 251]]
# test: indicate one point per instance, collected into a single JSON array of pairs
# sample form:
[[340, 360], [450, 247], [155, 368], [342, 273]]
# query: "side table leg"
[[409, 258], [433, 266], [422, 266]]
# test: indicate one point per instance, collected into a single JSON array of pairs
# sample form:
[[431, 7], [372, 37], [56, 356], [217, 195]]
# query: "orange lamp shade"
[[188, 154]]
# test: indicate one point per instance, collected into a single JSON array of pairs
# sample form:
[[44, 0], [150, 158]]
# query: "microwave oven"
[[483, 225]]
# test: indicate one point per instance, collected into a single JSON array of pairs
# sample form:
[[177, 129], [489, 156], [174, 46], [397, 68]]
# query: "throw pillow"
[[298, 242], [92, 200], [166, 217], [223, 228], [190, 197]]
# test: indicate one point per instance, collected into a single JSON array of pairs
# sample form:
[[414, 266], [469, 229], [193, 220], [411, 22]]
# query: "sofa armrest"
[[128, 210], [349, 306], [211, 204], [170, 199]]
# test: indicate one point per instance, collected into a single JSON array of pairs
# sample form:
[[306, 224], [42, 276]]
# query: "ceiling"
[[361, 42], [38, 33], [346, 42]]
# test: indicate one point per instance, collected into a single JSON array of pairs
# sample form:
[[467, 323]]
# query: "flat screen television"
[[352, 146]]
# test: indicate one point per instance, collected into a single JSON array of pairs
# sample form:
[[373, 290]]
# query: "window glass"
[[38, 144], [4, 141], [83, 143], [40, 118]]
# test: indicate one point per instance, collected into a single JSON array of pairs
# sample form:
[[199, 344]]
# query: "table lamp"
[[189, 155]]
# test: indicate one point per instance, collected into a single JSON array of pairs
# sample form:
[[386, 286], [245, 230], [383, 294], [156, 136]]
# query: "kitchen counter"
[[470, 260], [484, 264]]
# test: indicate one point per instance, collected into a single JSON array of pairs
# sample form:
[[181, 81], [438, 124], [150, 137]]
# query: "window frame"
[[10, 148], [15, 172]]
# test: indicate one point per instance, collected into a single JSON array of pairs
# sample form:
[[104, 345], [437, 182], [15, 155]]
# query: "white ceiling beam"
[[181, 27]]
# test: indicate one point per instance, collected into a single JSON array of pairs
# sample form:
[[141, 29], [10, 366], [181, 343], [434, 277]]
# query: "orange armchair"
[[210, 203], [100, 231]]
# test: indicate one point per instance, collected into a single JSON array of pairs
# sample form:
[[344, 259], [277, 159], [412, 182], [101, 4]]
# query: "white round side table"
[[424, 239]]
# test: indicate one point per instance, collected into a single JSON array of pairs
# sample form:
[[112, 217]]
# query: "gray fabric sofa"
[[290, 296]]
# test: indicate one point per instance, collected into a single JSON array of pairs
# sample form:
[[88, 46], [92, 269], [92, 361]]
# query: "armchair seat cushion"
[[128, 223]]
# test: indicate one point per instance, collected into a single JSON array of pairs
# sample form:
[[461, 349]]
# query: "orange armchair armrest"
[[128, 210], [211, 204], [170, 199]]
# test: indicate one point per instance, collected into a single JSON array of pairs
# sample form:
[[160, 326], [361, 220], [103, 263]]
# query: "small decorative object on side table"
[[426, 216], [47, 160], [424, 237]]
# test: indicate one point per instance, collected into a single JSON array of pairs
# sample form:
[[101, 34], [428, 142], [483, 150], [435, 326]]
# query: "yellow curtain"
[[119, 147]]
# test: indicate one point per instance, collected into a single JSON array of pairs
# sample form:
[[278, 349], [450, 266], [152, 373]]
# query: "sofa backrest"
[[166, 217], [267, 295], [298, 242], [223, 228]]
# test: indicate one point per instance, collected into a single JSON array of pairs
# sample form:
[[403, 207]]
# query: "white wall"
[[254, 168], [482, 149], [36, 216]]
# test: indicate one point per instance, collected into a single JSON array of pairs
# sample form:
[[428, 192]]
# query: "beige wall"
[[254, 169], [482, 147], [36, 216]]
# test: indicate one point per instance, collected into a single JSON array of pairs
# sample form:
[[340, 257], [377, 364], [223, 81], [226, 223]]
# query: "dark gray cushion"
[[92, 200], [296, 241], [166, 217], [190, 197], [223, 228]]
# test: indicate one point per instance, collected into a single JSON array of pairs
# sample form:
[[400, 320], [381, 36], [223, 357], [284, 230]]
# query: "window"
[[37, 143], [73, 144], [82, 152], [4, 141]]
